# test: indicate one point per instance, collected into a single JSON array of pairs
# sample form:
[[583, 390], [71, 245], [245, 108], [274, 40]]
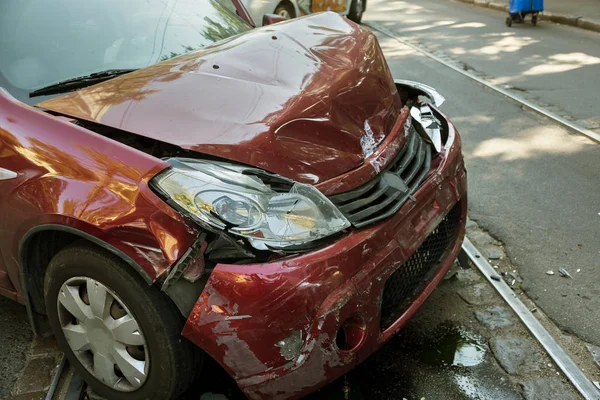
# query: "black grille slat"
[[344, 197], [418, 162], [424, 170], [376, 200], [355, 205], [408, 155], [362, 214], [409, 280], [395, 165]]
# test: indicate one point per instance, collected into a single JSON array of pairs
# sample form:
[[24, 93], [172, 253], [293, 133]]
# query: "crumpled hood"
[[308, 99]]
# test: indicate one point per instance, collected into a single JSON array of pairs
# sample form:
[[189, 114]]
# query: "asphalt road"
[[559, 66], [532, 184]]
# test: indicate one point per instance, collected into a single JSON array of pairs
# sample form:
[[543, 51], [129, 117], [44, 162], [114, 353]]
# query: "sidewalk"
[[581, 13]]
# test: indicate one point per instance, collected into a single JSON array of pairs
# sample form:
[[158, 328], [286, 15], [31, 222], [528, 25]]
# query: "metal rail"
[[57, 375], [548, 114], [66, 383], [557, 353]]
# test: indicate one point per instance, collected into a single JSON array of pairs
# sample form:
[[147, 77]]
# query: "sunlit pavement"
[[556, 65]]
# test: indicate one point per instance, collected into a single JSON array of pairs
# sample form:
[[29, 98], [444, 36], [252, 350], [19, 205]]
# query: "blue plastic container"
[[518, 6]]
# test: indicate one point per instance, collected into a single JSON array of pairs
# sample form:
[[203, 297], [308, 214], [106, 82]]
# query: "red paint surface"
[[291, 98], [73, 177], [246, 310]]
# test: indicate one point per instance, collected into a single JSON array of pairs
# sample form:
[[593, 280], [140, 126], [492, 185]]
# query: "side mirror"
[[269, 19]]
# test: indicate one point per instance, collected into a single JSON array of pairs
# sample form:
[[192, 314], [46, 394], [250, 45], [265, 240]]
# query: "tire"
[[508, 21], [285, 10], [168, 363], [357, 8]]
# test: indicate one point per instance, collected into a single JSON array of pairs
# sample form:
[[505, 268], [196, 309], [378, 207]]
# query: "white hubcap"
[[103, 334]]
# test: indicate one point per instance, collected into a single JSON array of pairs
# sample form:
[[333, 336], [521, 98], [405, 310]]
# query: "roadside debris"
[[495, 277], [595, 352], [578, 269], [533, 310], [550, 272], [495, 254], [564, 273]]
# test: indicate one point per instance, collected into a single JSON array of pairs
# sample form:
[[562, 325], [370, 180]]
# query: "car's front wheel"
[[121, 335]]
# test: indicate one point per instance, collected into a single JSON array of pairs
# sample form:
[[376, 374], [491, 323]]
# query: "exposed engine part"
[[427, 125], [422, 100]]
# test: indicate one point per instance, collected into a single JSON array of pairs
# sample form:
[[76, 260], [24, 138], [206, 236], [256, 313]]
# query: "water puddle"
[[455, 346]]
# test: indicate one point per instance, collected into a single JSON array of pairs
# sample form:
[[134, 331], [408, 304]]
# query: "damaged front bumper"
[[283, 329]]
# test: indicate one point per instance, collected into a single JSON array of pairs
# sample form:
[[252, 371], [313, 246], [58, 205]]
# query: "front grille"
[[385, 194], [405, 284]]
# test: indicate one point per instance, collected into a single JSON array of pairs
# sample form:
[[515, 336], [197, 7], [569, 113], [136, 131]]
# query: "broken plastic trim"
[[181, 268], [421, 100], [184, 290], [415, 89]]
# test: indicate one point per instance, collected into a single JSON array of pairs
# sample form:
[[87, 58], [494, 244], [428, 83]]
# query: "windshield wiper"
[[72, 84]]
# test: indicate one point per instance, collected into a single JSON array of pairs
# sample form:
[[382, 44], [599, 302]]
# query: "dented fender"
[[273, 325], [74, 178]]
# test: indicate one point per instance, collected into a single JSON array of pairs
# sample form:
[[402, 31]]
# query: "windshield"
[[43, 42]]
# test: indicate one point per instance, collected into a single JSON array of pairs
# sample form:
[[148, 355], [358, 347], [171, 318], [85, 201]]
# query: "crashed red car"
[[175, 184]]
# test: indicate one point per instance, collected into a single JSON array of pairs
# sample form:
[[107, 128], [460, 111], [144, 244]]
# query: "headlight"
[[229, 197]]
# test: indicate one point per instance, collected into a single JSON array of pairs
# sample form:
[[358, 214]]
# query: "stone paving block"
[[44, 347], [546, 389], [595, 352], [478, 294], [495, 317], [37, 375], [468, 276], [516, 355], [28, 396]]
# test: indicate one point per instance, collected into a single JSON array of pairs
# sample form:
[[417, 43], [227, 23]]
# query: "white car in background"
[[353, 9]]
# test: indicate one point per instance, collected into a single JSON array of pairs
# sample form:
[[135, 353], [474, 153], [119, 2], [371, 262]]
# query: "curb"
[[578, 22]]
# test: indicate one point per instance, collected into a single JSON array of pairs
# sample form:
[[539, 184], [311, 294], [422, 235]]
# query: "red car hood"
[[308, 99]]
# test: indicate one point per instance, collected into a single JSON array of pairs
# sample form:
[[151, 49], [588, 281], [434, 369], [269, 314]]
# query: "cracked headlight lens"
[[231, 198]]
